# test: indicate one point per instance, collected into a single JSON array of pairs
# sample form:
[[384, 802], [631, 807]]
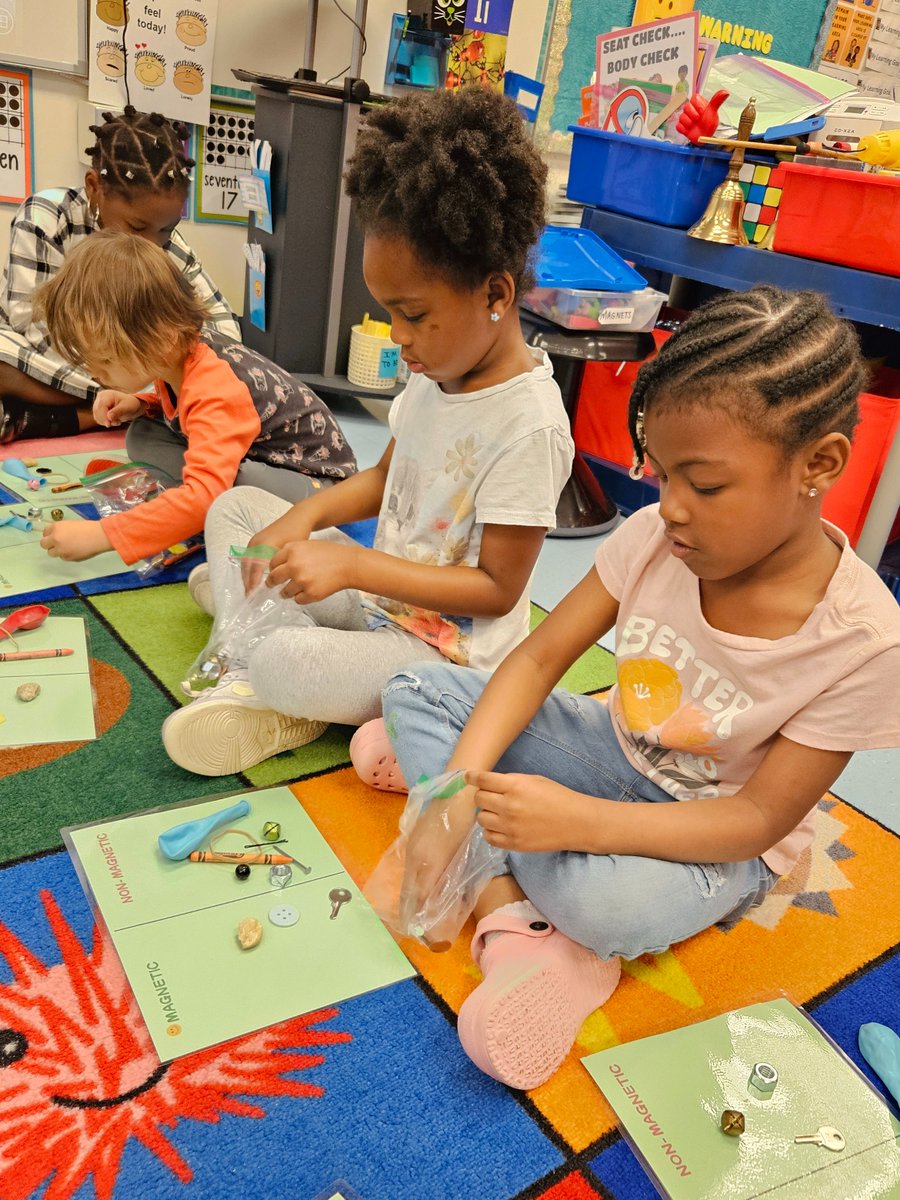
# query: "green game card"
[[174, 924], [26, 567], [669, 1092], [64, 709]]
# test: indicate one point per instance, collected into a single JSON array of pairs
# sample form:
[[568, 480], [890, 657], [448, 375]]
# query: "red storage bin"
[[846, 217], [847, 504], [601, 430], [601, 419]]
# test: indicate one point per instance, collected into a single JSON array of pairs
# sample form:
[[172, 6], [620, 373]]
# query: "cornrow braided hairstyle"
[[456, 176], [140, 152], [781, 362]]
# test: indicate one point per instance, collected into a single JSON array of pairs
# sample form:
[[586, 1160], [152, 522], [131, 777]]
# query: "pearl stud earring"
[[813, 491]]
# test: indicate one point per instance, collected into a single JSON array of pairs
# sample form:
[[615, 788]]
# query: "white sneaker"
[[201, 589], [227, 729]]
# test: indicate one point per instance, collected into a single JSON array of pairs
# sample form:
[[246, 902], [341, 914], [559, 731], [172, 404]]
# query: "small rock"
[[249, 933], [28, 691]]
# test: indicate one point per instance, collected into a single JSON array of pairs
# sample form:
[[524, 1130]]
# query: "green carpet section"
[[124, 770], [162, 625]]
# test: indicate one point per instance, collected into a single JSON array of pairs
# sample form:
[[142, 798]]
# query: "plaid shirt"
[[46, 226]]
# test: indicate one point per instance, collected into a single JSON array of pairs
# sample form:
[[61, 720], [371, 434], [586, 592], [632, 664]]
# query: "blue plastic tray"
[[578, 258]]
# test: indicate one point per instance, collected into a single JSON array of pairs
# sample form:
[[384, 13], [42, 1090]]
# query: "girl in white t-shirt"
[[755, 653], [450, 193]]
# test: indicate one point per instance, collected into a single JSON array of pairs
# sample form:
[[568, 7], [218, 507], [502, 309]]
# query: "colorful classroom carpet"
[[376, 1092]]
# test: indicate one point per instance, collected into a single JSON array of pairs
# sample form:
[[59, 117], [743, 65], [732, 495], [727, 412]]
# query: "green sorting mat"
[[174, 924], [669, 1092]]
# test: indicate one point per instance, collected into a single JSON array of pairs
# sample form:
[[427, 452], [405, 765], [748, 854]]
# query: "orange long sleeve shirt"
[[280, 421]]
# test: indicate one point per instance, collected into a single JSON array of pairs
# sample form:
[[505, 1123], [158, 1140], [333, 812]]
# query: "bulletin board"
[[50, 34], [16, 134], [572, 50]]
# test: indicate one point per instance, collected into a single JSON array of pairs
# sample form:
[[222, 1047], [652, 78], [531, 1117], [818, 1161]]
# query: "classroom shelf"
[[857, 295]]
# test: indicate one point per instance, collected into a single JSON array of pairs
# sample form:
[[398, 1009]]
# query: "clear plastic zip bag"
[[120, 489], [426, 884], [256, 609]]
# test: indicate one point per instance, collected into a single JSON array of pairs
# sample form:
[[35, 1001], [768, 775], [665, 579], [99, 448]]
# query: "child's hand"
[[113, 408], [531, 813], [75, 541], [292, 527], [438, 834], [311, 570]]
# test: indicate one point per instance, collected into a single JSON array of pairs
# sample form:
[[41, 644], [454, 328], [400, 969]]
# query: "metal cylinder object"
[[763, 1080], [280, 875]]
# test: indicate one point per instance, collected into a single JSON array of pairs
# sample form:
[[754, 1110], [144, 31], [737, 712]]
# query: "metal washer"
[[284, 914]]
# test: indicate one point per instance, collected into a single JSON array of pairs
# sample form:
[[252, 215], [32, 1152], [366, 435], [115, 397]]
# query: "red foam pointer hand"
[[700, 117]]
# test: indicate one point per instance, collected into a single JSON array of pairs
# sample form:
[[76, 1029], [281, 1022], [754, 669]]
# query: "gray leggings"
[[153, 442], [326, 664]]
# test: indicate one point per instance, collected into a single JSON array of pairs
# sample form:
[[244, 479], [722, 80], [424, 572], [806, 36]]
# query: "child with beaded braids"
[[450, 194], [755, 653], [138, 183]]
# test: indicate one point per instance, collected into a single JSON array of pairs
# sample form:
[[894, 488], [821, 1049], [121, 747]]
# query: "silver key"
[[827, 1136], [338, 896]]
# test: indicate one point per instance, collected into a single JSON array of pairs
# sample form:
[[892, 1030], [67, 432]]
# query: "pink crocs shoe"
[[538, 987], [373, 757]]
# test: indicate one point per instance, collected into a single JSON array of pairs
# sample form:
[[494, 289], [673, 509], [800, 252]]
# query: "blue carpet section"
[[423, 1123], [432, 1125], [621, 1173], [132, 582], [44, 596], [361, 531], [873, 997]]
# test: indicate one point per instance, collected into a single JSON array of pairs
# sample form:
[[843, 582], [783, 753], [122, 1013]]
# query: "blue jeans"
[[615, 904]]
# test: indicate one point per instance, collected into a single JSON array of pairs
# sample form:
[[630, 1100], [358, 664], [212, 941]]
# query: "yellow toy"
[[880, 149], [659, 10]]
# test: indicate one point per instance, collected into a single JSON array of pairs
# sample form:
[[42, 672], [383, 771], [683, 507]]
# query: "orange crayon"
[[224, 856]]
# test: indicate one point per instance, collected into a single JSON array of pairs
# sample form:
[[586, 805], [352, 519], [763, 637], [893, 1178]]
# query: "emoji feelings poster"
[[163, 48]]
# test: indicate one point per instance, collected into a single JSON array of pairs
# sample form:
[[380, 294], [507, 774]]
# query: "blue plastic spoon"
[[178, 842]]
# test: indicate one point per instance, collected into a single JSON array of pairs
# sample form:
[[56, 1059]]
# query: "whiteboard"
[[49, 34]]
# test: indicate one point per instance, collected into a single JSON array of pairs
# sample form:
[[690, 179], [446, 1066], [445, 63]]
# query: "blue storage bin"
[[643, 177]]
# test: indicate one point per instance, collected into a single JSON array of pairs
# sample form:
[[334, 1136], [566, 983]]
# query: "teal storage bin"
[[643, 177]]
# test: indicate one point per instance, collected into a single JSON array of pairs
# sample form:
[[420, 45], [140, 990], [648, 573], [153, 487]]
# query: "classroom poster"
[[645, 74], [16, 136], [221, 150], [154, 54], [848, 36]]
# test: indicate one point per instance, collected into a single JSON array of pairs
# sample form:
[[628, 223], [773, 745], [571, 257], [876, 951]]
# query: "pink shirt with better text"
[[695, 709]]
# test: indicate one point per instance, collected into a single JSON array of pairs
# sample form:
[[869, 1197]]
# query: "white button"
[[283, 914]]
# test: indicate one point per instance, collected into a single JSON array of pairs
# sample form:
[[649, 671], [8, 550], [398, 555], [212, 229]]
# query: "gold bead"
[[732, 1122]]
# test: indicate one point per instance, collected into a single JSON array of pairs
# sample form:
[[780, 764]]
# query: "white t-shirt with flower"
[[499, 456]]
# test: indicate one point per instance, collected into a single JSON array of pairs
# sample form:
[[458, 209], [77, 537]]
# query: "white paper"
[[166, 50]]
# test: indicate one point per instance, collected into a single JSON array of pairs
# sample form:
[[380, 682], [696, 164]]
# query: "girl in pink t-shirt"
[[754, 651]]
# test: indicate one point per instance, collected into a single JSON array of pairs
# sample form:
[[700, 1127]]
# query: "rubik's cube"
[[762, 186]]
